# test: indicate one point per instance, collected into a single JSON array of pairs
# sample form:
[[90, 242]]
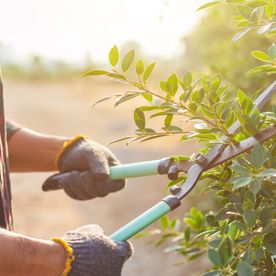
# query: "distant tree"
[[209, 49]]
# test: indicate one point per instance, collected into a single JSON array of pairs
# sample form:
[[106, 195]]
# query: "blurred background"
[[45, 46]]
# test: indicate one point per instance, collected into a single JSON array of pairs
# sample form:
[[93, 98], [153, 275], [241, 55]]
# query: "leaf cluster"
[[239, 234]]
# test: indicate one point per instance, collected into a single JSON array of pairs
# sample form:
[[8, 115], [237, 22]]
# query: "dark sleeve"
[[12, 127]]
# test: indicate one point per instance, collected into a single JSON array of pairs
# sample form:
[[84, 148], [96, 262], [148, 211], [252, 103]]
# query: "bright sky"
[[67, 29]]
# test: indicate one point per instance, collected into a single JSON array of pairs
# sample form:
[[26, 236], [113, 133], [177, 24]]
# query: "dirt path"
[[64, 108]]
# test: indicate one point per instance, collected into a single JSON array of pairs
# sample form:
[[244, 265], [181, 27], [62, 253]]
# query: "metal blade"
[[202, 162]]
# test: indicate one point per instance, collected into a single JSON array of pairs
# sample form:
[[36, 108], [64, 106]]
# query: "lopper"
[[218, 154]]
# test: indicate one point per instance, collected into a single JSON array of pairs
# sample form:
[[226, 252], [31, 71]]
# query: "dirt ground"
[[64, 108]]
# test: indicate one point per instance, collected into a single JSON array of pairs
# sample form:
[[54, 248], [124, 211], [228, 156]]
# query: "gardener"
[[84, 167]]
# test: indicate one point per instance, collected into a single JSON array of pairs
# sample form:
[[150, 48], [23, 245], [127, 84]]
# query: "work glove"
[[91, 253], [84, 170]]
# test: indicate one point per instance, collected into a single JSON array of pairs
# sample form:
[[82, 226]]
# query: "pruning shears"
[[218, 154]]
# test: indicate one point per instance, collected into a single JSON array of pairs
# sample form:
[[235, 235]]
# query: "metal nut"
[[200, 159]]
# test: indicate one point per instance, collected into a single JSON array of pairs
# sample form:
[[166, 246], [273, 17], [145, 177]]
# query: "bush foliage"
[[238, 234]]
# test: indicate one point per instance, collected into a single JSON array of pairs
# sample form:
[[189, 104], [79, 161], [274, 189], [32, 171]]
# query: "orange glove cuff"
[[68, 143]]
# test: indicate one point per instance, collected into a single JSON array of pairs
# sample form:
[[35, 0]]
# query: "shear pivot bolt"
[[175, 189], [173, 173]]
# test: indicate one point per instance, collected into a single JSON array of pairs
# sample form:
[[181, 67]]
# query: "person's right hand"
[[95, 254], [84, 170]]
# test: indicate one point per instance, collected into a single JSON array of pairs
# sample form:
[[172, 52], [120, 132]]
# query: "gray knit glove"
[[84, 171], [95, 254]]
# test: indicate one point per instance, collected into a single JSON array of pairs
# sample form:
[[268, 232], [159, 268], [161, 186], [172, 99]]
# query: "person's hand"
[[94, 254], [84, 170]]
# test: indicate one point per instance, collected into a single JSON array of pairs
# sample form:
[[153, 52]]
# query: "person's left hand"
[[84, 171], [95, 254]]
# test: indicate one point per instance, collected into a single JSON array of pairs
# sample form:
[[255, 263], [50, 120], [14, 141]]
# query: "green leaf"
[[244, 269], [185, 96], [268, 172], [215, 85], [255, 186], [241, 170], [116, 76], [245, 11], [139, 118], [148, 72], [164, 86], [258, 69], [260, 55], [95, 73], [148, 97], [247, 106], [140, 67], [270, 10], [168, 120], [125, 98], [214, 256], [173, 84], [149, 130], [193, 106], [241, 97], [215, 243], [225, 250], [187, 80], [241, 181], [165, 222], [101, 100], [272, 51], [200, 95], [127, 61], [114, 56], [174, 129], [250, 217], [257, 3], [233, 231], [247, 256], [208, 5], [259, 254], [187, 234], [241, 33], [154, 137], [258, 156], [270, 244], [206, 110]]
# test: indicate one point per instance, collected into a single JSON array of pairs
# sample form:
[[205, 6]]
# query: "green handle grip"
[[141, 222], [134, 170]]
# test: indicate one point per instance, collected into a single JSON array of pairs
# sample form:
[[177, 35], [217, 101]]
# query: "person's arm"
[[88, 252], [33, 151], [22, 256], [83, 164]]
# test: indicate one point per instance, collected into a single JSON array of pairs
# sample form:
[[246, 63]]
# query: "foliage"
[[208, 49], [239, 235]]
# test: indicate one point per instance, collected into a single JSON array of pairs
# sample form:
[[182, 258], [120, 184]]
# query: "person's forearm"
[[33, 151], [25, 256]]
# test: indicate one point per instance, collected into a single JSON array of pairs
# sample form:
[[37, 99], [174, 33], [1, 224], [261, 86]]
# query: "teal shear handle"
[[153, 214], [134, 169], [141, 222], [162, 208]]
